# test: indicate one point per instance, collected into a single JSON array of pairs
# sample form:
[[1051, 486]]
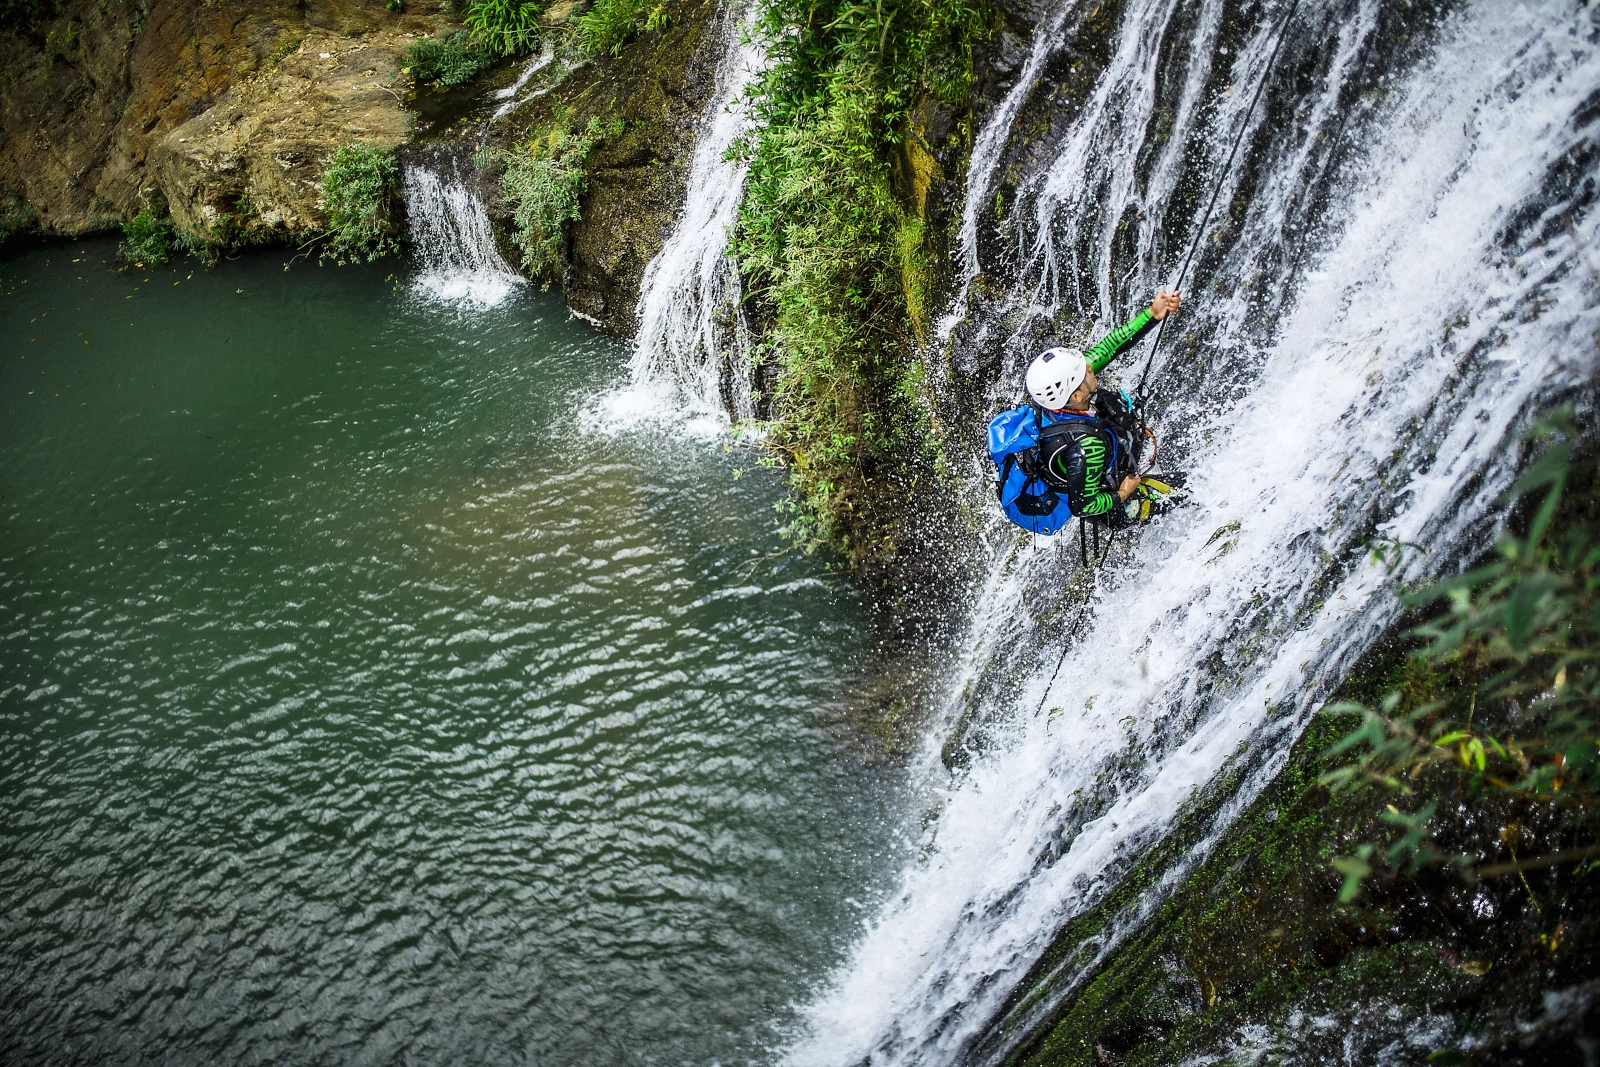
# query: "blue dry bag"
[[1026, 498]]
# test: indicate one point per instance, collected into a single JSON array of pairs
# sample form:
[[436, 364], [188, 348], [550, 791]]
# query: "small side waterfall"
[[692, 338], [546, 56], [1368, 329], [452, 238]]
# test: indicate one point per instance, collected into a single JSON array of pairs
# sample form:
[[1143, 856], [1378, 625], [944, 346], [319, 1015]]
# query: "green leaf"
[[1353, 868]]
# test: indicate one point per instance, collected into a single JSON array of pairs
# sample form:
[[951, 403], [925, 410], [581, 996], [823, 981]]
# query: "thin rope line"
[[1216, 191], [1205, 220], [1083, 611]]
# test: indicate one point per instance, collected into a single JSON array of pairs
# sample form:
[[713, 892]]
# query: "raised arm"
[[1112, 344]]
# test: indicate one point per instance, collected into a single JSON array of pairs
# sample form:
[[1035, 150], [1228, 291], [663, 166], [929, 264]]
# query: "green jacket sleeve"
[[1112, 344]]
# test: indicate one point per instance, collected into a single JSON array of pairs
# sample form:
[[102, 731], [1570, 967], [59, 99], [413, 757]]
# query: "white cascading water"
[[691, 329], [546, 56], [1451, 295], [452, 238]]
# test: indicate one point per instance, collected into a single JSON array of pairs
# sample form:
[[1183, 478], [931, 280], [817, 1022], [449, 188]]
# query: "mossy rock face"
[[659, 87]]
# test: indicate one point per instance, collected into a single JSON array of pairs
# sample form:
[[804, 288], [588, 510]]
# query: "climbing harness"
[[1139, 393]]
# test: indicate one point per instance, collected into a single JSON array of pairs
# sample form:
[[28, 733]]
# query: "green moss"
[[356, 192]]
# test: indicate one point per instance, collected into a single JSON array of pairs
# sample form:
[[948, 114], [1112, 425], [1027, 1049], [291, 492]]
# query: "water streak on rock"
[[692, 339]]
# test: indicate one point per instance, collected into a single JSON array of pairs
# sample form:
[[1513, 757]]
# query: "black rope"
[[1139, 394], [1083, 611], [1216, 191]]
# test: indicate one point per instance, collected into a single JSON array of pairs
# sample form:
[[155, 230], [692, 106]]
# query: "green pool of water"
[[357, 704]]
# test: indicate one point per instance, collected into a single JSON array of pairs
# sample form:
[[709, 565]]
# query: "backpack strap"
[[1005, 473]]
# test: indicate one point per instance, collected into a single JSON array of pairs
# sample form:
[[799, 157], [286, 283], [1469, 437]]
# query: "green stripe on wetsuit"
[[1112, 344], [1097, 498]]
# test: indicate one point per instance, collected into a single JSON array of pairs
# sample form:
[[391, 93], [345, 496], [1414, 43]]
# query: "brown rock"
[[87, 95], [249, 167]]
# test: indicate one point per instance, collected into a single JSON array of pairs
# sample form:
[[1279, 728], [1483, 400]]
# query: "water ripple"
[[352, 708]]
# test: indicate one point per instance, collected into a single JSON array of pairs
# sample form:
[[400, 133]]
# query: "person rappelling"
[[1074, 448]]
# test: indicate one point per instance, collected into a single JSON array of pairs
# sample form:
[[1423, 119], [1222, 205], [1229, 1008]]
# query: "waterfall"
[[546, 56], [692, 341], [1395, 280], [452, 239]]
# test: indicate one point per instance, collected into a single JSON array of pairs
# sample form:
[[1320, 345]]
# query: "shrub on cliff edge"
[[450, 60], [543, 181], [148, 238], [830, 252], [356, 190]]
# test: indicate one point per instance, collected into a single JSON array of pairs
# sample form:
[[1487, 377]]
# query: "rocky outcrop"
[[93, 96], [658, 86], [249, 167]]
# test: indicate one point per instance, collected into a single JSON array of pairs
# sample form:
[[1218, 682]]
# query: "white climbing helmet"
[[1054, 374]]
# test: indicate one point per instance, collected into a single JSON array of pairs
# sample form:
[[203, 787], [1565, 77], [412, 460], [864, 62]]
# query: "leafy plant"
[[1522, 635], [356, 191], [503, 27], [149, 238], [449, 60], [544, 179], [16, 219], [608, 26], [833, 257]]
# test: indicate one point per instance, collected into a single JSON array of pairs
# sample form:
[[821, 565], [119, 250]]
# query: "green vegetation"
[[495, 29], [17, 218], [356, 190], [543, 181], [449, 60], [148, 239], [1499, 707], [503, 27], [608, 25], [833, 257]]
